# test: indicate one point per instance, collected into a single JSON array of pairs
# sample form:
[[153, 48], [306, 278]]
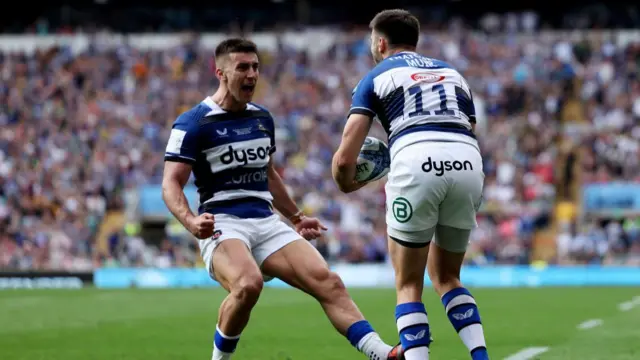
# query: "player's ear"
[[221, 65], [220, 74], [382, 44]]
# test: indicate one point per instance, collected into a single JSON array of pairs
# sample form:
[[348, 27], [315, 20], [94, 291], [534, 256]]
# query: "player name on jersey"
[[408, 92]]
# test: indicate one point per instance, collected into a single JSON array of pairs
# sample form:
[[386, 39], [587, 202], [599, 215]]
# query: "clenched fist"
[[202, 226], [309, 228]]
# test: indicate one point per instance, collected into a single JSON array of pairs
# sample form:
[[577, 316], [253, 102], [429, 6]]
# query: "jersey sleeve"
[[362, 101], [183, 140], [271, 128], [464, 97], [472, 109]]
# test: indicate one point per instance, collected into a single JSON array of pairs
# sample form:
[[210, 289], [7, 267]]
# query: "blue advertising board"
[[151, 203], [381, 276], [611, 196]]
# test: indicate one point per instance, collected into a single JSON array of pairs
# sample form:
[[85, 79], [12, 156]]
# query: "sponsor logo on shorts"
[[401, 209], [440, 167]]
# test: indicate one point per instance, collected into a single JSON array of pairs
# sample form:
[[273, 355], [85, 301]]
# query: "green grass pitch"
[[176, 324]]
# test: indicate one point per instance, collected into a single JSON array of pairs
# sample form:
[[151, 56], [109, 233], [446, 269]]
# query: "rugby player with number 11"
[[435, 179]]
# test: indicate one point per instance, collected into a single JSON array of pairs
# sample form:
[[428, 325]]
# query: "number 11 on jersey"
[[417, 93]]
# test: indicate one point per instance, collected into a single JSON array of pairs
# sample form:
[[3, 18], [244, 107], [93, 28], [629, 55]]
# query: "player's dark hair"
[[399, 27], [235, 45]]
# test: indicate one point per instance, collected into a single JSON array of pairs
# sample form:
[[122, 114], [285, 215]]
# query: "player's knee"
[[410, 277], [335, 284], [248, 288], [326, 284], [333, 288]]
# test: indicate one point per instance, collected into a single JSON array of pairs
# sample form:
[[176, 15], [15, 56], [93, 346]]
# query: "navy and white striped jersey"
[[408, 92], [230, 153]]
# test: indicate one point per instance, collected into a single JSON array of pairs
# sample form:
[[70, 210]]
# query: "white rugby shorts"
[[432, 183], [263, 237]]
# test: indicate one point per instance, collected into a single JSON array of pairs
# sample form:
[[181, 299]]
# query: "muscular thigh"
[[231, 261], [446, 257], [227, 254], [272, 234], [298, 264]]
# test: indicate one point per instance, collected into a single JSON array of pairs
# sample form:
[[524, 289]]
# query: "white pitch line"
[[626, 306], [527, 353], [590, 324]]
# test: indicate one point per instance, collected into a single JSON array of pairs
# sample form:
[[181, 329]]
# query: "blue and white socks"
[[223, 345], [362, 336], [413, 328], [464, 316]]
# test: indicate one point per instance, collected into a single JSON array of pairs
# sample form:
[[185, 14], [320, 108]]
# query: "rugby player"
[[435, 181], [227, 142]]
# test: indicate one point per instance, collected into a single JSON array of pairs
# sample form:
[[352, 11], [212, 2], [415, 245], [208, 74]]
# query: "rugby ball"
[[373, 161]]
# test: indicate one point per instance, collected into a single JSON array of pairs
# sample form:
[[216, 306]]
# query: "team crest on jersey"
[[216, 234], [427, 77]]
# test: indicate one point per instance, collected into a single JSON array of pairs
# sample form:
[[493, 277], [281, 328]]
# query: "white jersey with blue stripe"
[[230, 153], [409, 93]]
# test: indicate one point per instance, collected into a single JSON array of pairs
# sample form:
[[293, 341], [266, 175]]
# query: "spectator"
[[77, 130]]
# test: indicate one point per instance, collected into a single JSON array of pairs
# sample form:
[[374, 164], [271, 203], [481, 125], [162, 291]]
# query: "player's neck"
[[398, 50], [225, 100]]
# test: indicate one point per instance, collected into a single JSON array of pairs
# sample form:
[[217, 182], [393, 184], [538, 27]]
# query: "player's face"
[[377, 47], [242, 75]]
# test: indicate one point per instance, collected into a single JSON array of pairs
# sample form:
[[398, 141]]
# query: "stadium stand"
[[84, 121]]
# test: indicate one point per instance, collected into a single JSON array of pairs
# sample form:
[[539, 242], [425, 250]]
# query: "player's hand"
[[202, 226], [310, 228], [358, 185], [354, 186]]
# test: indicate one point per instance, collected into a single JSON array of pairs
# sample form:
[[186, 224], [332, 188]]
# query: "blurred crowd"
[[77, 131]]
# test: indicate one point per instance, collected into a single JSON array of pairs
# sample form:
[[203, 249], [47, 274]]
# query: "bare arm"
[[175, 177], [345, 159], [309, 228], [281, 199]]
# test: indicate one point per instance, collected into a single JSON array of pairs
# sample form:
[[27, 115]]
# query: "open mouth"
[[248, 88]]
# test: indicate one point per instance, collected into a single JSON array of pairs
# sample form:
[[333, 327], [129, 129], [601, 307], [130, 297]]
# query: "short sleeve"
[[362, 101], [472, 109], [271, 129], [183, 140], [464, 97]]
